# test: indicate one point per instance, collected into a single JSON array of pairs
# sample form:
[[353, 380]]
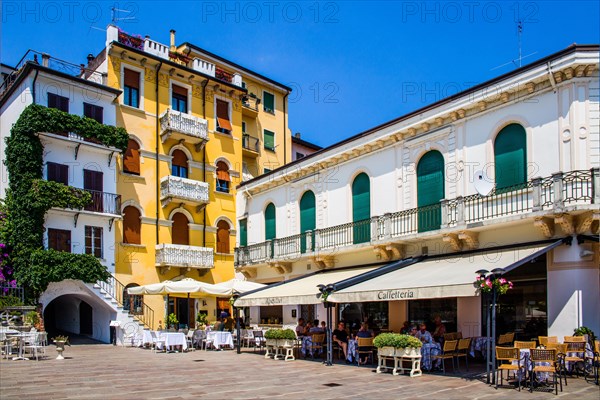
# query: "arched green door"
[[308, 219], [361, 209], [510, 157], [270, 226], [430, 190]]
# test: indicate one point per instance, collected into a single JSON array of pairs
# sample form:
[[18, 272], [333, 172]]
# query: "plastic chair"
[[447, 353], [34, 345], [189, 338], [156, 341], [507, 357], [539, 360]]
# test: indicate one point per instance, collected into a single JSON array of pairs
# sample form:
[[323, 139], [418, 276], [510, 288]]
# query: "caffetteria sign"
[[395, 294]]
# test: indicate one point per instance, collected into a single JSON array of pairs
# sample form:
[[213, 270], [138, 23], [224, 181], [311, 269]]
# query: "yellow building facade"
[[199, 125]]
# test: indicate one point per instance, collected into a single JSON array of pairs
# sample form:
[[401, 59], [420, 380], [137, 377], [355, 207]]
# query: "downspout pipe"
[[285, 127], [33, 91], [157, 138], [204, 84]]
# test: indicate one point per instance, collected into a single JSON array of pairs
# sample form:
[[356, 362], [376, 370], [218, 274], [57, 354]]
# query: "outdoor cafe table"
[[173, 339], [22, 337], [479, 344], [219, 339]]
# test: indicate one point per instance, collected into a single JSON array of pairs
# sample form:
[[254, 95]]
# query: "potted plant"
[[202, 319], [31, 318], [60, 341], [397, 345], [271, 337], [586, 332], [172, 321]]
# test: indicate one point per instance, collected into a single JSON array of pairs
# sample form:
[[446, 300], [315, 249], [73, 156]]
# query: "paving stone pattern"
[[93, 371]]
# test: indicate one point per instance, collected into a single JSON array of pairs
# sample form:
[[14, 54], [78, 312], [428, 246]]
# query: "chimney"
[[297, 135], [45, 59], [90, 58], [173, 40]]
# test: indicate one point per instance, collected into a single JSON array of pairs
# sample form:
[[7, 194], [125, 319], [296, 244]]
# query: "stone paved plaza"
[[93, 371]]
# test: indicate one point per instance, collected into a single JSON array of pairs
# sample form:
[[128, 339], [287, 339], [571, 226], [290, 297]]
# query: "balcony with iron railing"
[[250, 145], [250, 105], [184, 256], [556, 194], [45, 60], [184, 190], [105, 203], [179, 125]]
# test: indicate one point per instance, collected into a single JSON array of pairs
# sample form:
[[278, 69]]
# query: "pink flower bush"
[[486, 285]]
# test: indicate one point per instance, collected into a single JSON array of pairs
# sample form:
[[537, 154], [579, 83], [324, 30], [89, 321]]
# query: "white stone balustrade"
[[204, 67], [172, 121], [177, 255], [189, 190], [155, 48]]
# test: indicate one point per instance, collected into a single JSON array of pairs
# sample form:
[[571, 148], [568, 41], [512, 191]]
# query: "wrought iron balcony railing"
[[176, 122], [102, 202], [250, 143], [177, 255], [554, 193]]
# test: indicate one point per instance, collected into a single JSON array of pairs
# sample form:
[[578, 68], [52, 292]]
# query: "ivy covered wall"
[[29, 197]]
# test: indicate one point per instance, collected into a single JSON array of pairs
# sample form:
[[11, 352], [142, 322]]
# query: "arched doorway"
[[68, 314]]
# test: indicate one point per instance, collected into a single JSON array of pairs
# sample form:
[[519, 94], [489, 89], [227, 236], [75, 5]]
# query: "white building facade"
[[72, 306], [509, 165]]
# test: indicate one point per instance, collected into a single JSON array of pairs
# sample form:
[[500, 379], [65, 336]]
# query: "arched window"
[[510, 157], [180, 230], [308, 218], [223, 237], [430, 190], [270, 225], [223, 178], [131, 158], [132, 225], [134, 303], [361, 208], [179, 165]]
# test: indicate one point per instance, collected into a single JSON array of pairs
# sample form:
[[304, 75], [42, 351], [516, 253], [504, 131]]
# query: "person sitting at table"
[[340, 336], [160, 327], [324, 326], [405, 328], [218, 326], [364, 332], [413, 331], [440, 330], [424, 335], [307, 328], [315, 328], [228, 324], [300, 327]]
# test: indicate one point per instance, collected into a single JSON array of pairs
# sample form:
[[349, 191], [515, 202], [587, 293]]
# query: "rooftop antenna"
[[115, 15], [518, 61]]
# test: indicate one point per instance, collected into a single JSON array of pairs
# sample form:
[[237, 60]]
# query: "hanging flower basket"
[[486, 285]]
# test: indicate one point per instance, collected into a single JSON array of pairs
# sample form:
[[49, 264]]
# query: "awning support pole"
[[488, 335], [328, 308], [238, 340]]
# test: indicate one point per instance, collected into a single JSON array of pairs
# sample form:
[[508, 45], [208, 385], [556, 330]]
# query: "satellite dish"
[[482, 184]]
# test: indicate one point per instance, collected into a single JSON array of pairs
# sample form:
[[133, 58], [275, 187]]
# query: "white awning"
[[433, 278], [301, 290]]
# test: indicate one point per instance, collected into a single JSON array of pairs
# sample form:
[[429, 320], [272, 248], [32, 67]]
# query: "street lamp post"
[[325, 291], [491, 320]]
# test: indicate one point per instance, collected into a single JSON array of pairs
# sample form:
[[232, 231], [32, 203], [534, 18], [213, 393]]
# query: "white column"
[[468, 316]]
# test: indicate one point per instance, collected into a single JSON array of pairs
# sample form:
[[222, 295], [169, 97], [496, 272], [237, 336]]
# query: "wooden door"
[[93, 181]]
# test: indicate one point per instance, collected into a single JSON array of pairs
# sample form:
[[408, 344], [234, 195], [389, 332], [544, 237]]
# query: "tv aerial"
[[482, 184]]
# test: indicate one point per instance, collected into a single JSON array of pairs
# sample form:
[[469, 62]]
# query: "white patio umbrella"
[[185, 286], [240, 286]]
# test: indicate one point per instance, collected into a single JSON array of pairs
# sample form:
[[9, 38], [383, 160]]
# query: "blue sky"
[[353, 64]]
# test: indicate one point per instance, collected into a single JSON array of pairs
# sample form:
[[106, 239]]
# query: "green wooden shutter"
[[361, 209], [243, 232], [268, 102], [269, 140], [270, 230], [510, 157], [430, 190], [308, 218]]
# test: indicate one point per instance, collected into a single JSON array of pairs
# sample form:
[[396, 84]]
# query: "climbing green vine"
[[29, 197]]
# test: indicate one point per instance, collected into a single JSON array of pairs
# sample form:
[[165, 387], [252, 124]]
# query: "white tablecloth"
[[147, 337], [173, 339], [220, 339]]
